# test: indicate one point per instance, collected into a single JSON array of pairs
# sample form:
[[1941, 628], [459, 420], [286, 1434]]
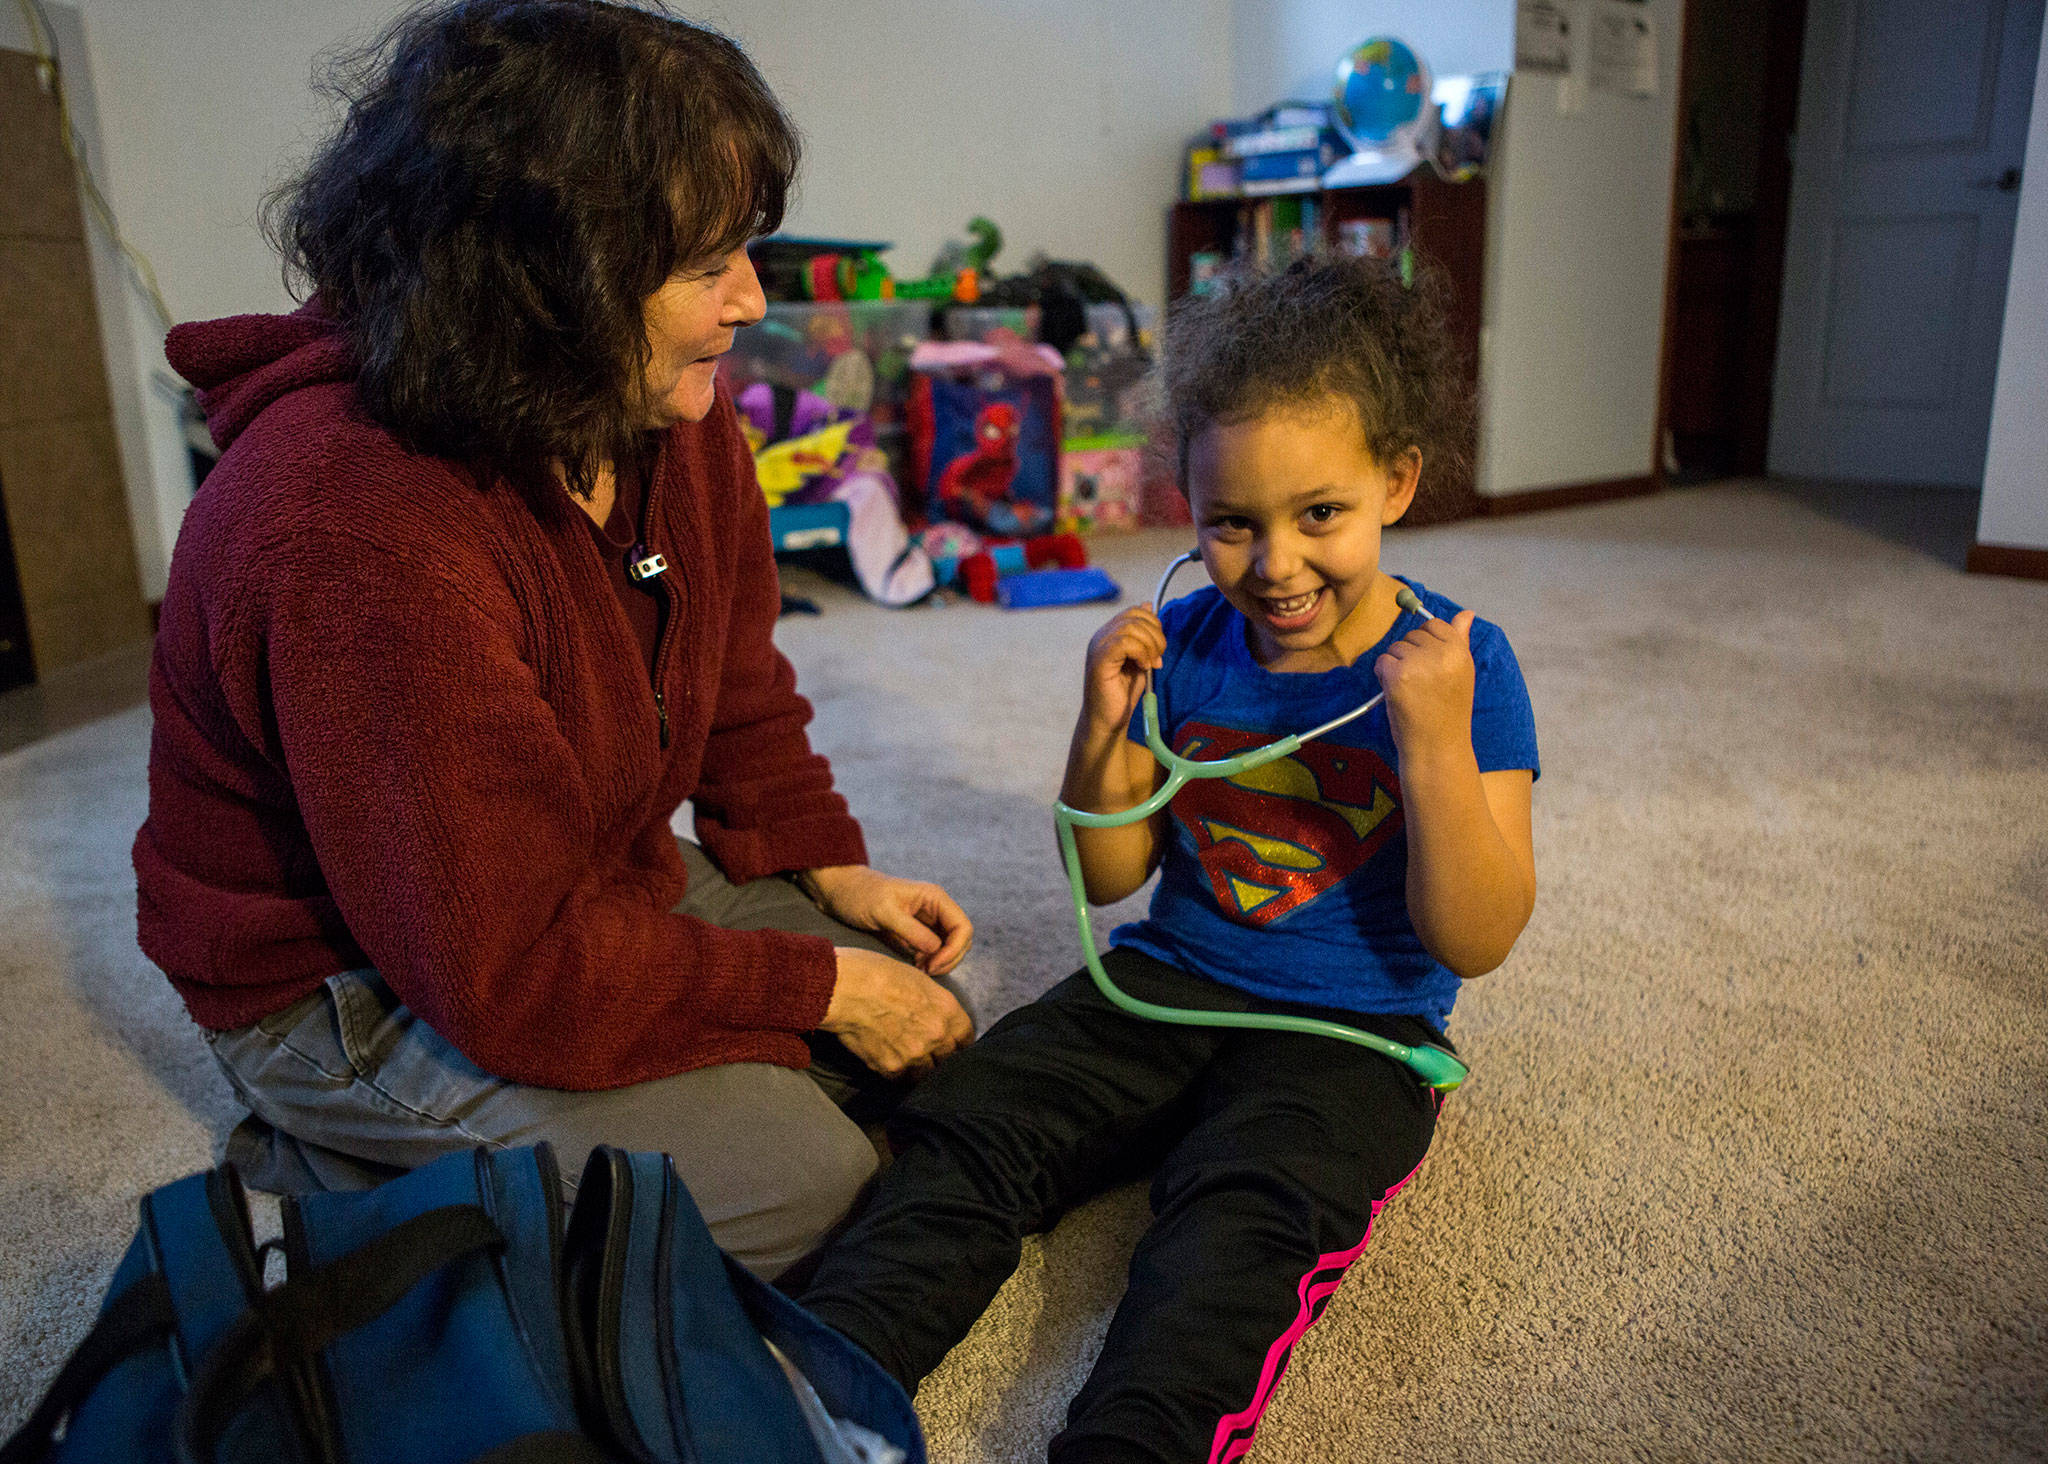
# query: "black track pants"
[[1273, 1152]]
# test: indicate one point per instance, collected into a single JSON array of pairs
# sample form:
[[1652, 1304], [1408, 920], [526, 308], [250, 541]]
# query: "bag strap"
[[297, 1320], [138, 1317]]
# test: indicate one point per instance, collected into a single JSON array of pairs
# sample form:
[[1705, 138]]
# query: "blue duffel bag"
[[455, 1315]]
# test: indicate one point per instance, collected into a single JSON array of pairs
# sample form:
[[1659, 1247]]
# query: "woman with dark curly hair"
[[478, 594]]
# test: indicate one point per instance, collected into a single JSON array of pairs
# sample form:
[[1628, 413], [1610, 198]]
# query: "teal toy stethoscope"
[[1432, 1064]]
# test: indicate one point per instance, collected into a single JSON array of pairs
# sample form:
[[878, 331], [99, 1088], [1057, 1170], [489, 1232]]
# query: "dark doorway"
[[17, 665], [1739, 102]]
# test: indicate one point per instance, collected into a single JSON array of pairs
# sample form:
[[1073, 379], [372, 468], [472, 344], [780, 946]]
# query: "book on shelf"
[[1296, 114], [1210, 174], [1274, 140], [1269, 187], [1272, 232], [1292, 164]]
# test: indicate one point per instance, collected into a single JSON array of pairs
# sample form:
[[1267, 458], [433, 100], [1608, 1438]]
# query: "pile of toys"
[[829, 486], [831, 270], [1102, 461], [1018, 574], [957, 430]]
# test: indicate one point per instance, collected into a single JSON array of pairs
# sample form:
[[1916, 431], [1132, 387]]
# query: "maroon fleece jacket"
[[401, 720]]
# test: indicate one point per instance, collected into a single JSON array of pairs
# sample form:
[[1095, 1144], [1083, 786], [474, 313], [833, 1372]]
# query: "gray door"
[[1905, 182]]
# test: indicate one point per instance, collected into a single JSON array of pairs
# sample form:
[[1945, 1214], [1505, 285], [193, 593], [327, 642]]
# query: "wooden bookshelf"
[[1446, 226]]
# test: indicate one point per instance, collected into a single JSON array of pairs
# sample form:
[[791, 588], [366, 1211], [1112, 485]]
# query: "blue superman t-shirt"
[[1290, 881]]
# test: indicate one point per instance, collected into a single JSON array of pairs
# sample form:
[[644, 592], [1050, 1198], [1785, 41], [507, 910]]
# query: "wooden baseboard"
[[2008, 559], [1566, 495]]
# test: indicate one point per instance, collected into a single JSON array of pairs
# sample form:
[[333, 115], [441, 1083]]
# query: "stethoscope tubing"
[[1433, 1064]]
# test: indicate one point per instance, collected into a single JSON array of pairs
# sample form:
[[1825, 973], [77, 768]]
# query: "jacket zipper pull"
[[661, 711]]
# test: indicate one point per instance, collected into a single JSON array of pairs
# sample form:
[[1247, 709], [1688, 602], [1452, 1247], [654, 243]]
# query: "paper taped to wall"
[[1543, 40], [1624, 49]]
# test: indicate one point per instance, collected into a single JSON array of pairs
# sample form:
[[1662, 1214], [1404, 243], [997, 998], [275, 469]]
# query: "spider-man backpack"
[[984, 436]]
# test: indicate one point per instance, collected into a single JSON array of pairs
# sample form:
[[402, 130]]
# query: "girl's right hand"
[[1118, 658]]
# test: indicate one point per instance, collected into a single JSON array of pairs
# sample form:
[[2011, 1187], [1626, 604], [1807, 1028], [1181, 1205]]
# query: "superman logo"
[[1273, 838]]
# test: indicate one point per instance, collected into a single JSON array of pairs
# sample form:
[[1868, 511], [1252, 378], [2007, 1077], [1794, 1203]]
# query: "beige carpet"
[[1754, 1163]]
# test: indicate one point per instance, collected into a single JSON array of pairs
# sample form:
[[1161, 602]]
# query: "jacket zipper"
[[670, 601]]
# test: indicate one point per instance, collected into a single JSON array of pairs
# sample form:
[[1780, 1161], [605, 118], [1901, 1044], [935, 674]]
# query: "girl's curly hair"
[[511, 180], [1326, 327]]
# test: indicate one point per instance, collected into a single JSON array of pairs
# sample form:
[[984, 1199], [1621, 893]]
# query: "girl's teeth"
[[1287, 609]]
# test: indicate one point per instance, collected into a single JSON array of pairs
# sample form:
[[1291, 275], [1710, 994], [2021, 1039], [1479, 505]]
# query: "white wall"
[[1289, 48], [2014, 509], [1061, 119], [1578, 230], [1578, 218]]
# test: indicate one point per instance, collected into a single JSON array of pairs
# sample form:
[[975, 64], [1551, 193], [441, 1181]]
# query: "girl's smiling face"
[[1288, 508]]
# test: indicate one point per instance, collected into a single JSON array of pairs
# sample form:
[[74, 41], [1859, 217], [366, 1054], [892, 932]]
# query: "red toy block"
[[1064, 551], [978, 575]]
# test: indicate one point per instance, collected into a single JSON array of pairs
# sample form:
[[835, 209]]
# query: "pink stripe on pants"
[[1234, 1431]]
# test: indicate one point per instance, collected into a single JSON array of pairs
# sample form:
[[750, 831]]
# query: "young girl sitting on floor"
[[1362, 879]]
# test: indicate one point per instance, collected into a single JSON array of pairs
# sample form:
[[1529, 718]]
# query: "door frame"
[[1785, 43]]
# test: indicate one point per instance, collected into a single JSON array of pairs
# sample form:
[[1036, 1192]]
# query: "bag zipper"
[[665, 1320], [610, 1288], [551, 1196]]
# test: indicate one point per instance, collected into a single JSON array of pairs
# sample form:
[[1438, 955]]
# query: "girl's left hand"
[[917, 917], [1428, 678]]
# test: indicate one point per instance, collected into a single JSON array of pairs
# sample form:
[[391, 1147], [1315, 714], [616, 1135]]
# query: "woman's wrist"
[[819, 881]]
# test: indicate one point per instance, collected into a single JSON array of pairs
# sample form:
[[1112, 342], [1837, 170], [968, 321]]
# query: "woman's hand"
[[891, 1016], [917, 917], [1120, 654], [1428, 679]]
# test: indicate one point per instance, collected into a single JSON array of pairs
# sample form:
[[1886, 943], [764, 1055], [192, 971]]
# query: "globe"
[[1381, 103]]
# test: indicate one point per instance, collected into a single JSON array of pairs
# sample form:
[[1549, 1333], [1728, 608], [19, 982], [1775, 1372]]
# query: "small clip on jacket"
[[644, 564]]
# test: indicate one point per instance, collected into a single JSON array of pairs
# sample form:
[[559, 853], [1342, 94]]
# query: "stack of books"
[[1283, 150], [1287, 149]]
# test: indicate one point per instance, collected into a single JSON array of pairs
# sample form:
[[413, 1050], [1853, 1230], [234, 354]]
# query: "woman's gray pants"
[[347, 1088]]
